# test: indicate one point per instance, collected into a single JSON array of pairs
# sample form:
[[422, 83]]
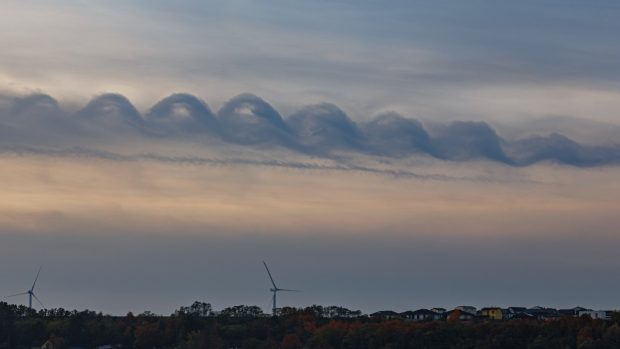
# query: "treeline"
[[199, 326]]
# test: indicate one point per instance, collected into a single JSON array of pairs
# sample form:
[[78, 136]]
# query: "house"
[[515, 313], [459, 314], [385, 315], [420, 315], [467, 308], [572, 311], [523, 316], [596, 314], [542, 313], [493, 313], [439, 310], [54, 343], [516, 310]]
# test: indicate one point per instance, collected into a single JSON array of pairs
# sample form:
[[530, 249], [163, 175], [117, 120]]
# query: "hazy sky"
[[479, 60], [495, 184]]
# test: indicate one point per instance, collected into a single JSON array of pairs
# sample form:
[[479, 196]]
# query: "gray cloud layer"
[[248, 120]]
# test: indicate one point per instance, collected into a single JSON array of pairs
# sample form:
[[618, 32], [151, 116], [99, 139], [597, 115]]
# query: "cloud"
[[324, 127], [250, 123], [248, 119], [561, 149], [111, 110], [394, 135], [35, 104], [35, 108], [35, 119], [86, 153], [465, 140], [580, 130], [181, 113]]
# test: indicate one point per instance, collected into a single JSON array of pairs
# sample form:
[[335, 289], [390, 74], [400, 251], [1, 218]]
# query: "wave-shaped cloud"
[[321, 129], [111, 110], [392, 134], [181, 113], [248, 119], [559, 148], [464, 140], [324, 127], [35, 105]]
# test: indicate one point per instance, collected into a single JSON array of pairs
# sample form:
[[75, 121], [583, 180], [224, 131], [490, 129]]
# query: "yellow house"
[[492, 313]]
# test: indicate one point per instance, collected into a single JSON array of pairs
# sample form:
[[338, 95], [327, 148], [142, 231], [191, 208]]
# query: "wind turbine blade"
[[35, 297], [287, 290], [35, 280], [13, 295], [270, 277]]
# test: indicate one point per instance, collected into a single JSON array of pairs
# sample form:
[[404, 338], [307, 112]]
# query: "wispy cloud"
[[85, 153]]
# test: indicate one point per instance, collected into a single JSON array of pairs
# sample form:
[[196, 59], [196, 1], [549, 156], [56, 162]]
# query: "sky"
[[378, 155]]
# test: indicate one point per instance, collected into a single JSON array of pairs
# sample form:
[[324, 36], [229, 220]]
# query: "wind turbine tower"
[[275, 290], [30, 293]]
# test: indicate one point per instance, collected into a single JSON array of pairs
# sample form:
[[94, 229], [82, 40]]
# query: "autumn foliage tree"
[[199, 326]]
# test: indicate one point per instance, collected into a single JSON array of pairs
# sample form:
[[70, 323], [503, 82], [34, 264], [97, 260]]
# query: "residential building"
[[572, 311], [459, 314], [493, 313], [596, 314], [420, 315], [542, 313], [385, 315], [467, 308]]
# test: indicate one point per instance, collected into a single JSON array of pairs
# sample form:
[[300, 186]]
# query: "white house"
[[596, 314]]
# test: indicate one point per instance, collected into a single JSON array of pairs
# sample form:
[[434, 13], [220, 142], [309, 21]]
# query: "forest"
[[199, 326]]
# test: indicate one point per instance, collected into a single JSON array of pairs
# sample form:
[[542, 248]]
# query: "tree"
[[200, 309], [291, 341], [242, 311], [455, 316], [148, 335], [194, 340]]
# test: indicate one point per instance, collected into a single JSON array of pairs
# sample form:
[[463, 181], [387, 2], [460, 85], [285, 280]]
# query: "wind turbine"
[[30, 293], [275, 289]]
